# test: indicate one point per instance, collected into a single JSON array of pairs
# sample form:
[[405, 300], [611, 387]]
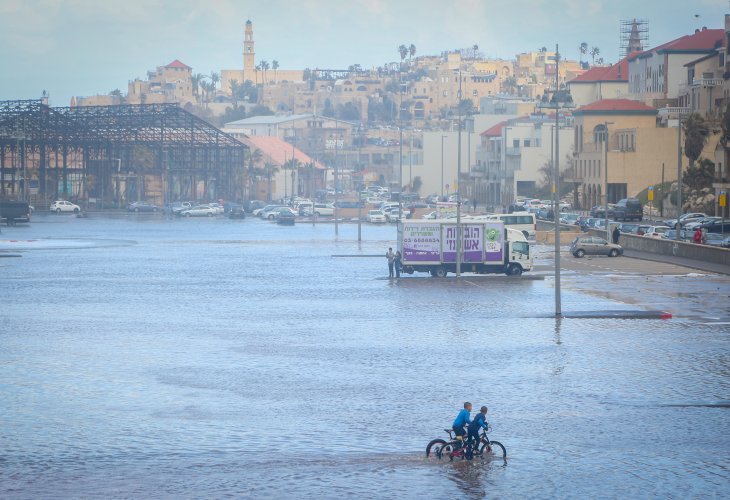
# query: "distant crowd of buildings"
[[398, 123]]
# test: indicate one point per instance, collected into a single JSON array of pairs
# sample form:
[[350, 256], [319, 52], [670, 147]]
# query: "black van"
[[627, 209]]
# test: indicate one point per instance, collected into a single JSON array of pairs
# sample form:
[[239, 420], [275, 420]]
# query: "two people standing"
[[394, 263]]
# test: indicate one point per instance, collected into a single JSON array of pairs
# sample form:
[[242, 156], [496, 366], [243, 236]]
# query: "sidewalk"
[[680, 261]]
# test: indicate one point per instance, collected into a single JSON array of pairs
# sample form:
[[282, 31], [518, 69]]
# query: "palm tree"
[[412, 50], [275, 66], [583, 49], [696, 132], [270, 169], [510, 83], [403, 51], [254, 157], [292, 165], [474, 48], [214, 79], [594, 52], [264, 67], [196, 80]]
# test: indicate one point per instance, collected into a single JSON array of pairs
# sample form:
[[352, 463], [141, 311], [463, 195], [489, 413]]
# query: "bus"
[[522, 221]]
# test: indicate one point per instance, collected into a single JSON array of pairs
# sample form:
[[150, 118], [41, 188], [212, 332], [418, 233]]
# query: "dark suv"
[[627, 209]]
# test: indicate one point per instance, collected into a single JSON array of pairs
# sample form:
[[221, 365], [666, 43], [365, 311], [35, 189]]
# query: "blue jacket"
[[479, 422], [462, 418]]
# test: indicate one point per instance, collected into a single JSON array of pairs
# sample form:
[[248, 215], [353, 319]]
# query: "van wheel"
[[613, 253], [514, 270], [439, 272]]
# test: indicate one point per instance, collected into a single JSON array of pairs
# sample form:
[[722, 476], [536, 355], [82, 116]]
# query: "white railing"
[[708, 82], [668, 111]]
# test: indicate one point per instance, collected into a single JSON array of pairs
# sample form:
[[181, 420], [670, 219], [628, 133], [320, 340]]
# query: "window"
[[516, 143], [527, 143], [475, 93], [521, 247], [446, 93]]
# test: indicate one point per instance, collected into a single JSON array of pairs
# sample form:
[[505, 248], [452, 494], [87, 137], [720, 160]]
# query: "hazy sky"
[[85, 47]]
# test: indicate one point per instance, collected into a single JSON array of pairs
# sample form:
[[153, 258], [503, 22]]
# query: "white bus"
[[522, 221]]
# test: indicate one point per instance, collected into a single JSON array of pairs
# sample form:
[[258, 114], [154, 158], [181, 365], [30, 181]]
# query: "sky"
[[86, 47]]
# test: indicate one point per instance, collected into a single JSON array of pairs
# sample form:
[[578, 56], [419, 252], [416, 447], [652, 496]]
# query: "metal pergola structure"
[[115, 154]]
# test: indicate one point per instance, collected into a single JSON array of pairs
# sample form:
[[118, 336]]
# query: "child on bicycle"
[[478, 423], [461, 420]]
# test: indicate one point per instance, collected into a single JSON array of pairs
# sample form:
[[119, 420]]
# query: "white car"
[[656, 231], [393, 215], [199, 211], [59, 206], [218, 207], [431, 215], [376, 216]]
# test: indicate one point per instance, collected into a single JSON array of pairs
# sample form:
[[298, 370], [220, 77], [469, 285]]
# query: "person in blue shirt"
[[479, 422], [462, 419]]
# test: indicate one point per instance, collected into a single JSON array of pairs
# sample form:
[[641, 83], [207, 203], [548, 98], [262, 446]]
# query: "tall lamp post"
[[442, 166], [560, 99], [458, 187], [605, 176]]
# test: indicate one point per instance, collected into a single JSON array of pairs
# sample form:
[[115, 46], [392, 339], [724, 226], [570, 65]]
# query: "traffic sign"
[[651, 193]]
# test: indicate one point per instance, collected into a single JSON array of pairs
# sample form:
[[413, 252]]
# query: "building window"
[[527, 143], [475, 93], [516, 143], [446, 93]]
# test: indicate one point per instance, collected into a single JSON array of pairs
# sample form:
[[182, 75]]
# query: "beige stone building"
[[600, 82], [170, 83], [640, 154]]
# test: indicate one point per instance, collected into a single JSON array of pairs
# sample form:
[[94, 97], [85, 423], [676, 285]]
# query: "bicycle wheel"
[[434, 447], [446, 451], [494, 449]]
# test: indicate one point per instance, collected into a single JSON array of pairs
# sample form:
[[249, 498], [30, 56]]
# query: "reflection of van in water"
[[522, 221]]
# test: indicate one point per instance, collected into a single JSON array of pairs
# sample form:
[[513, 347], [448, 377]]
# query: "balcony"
[[513, 151], [707, 82]]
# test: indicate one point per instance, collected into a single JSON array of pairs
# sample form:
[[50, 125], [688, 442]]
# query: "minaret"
[[634, 40], [248, 53]]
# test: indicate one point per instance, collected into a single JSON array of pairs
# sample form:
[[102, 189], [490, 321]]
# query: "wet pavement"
[[149, 357]]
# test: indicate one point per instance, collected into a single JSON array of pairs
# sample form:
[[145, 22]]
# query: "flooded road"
[[147, 357]]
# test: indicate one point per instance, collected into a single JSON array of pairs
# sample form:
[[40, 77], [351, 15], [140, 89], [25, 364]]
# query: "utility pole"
[[678, 226], [556, 186], [458, 188]]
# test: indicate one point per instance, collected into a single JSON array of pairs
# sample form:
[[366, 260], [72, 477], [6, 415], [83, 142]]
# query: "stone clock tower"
[[248, 53]]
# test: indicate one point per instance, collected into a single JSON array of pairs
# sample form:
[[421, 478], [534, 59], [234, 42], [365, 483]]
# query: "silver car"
[[593, 245]]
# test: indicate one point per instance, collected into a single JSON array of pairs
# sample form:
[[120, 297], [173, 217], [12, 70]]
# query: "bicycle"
[[457, 448]]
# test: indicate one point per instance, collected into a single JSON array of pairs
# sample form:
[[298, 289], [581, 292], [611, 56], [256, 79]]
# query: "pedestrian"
[[474, 204], [398, 262], [704, 236], [391, 260], [615, 235], [698, 236]]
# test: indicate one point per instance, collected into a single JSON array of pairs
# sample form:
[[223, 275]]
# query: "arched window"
[[599, 134]]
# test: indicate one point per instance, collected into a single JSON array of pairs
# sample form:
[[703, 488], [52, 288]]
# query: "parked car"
[[286, 217], [588, 223], [264, 212], [431, 215], [714, 239], [349, 204], [627, 209], [230, 205], [252, 205], [393, 215], [178, 206], [59, 206], [199, 211], [274, 212], [217, 207], [545, 213], [142, 206], [571, 219], [376, 216], [417, 204], [627, 228], [725, 243], [717, 226], [600, 210], [593, 245], [685, 219], [684, 235], [655, 231], [704, 220], [237, 213]]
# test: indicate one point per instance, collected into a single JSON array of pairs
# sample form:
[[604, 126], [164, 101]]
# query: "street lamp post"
[[442, 166], [605, 176], [458, 188]]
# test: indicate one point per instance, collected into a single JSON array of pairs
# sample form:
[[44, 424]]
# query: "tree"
[[725, 124], [417, 184], [583, 49], [231, 114], [412, 50], [214, 79], [328, 110], [594, 52], [696, 132], [475, 48], [196, 80], [261, 110], [510, 83], [254, 157], [269, 170], [466, 106], [403, 50], [275, 67], [348, 111], [699, 176]]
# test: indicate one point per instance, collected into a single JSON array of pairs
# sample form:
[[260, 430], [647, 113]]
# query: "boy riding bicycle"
[[478, 423], [461, 421]]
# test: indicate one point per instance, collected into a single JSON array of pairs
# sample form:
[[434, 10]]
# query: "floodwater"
[[147, 357]]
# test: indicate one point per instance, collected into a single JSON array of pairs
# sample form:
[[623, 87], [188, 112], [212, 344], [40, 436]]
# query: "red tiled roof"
[[278, 151], [618, 72], [700, 41], [177, 64], [615, 105], [495, 130]]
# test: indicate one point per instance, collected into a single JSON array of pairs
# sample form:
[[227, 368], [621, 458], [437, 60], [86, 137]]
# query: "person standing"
[[698, 236], [398, 263], [391, 261], [615, 235]]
